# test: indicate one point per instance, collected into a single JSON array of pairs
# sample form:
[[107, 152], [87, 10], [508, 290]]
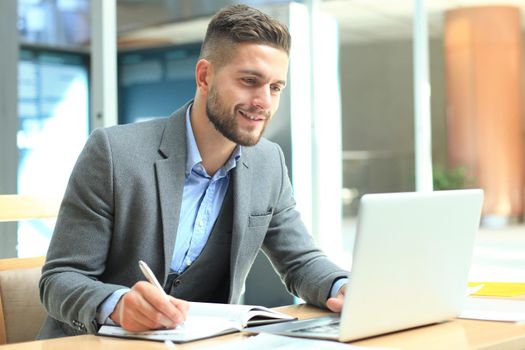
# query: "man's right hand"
[[145, 307]]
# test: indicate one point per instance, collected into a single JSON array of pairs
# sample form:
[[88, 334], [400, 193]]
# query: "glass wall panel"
[[62, 23], [376, 75], [154, 82], [53, 115]]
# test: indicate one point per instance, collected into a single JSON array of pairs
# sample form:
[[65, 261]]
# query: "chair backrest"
[[15, 207], [21, 313]]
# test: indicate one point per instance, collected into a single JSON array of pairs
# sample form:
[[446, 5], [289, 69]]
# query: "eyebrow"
[[257, 74]]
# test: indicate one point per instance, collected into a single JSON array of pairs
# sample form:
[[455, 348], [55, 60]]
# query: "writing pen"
[[150, 276]]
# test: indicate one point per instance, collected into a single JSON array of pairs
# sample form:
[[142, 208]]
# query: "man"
[[195, 195]]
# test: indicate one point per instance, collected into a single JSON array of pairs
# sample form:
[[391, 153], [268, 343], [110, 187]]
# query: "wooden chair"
[[15, 207], [21, 313]]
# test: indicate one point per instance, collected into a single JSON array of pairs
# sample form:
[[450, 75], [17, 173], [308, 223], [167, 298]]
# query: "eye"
[[276, 88], [249, 81]]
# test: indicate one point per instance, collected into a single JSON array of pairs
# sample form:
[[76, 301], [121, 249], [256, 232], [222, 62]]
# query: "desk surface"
[[456, 334]]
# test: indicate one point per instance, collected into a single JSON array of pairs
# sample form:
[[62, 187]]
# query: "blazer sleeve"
[[69, 287], [306, 271]]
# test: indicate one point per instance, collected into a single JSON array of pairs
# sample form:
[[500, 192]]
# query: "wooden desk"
[[452, 335]]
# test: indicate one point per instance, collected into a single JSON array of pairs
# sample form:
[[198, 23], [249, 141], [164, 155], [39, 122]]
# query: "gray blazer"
[[122, 205]]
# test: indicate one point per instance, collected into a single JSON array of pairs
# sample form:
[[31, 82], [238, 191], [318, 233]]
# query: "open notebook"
[[206, 320]]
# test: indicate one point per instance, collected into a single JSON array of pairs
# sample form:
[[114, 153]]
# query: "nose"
[[263, 98]]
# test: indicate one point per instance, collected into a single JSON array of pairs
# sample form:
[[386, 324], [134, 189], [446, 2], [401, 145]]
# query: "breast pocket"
[[257, 228], [260, 220]]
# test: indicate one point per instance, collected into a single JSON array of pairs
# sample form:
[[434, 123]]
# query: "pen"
[[151, 277]]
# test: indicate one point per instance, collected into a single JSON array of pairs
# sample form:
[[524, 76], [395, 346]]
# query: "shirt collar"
[[193, 157]]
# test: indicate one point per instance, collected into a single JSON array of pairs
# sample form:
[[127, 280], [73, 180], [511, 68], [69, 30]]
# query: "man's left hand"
[[336, 304]]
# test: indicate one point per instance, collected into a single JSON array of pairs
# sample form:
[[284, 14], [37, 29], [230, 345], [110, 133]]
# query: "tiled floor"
[[499, 254]]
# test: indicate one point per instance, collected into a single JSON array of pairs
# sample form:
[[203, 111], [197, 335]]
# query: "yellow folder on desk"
[[498, 289]]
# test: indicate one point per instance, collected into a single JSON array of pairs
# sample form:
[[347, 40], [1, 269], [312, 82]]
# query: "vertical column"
[[103, 63], [422, 121], [8, 117], [484, 70], [326, 134]]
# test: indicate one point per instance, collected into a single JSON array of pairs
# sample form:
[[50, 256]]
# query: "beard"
[[226, 122]]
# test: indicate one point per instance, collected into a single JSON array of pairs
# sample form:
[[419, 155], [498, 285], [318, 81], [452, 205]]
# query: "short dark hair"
[[242, 24]]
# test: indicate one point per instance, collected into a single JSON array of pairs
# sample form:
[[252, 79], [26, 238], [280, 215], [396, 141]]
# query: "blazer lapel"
[[242, 178], [170, 173]]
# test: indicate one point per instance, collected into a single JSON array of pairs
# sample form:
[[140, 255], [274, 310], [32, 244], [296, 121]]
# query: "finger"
[[155, 301], [334, 304], [152, 316], [139, 309], [182, 305]]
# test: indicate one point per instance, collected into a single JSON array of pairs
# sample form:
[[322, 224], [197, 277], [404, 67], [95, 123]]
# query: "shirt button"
[[188, 261], [201, 223]]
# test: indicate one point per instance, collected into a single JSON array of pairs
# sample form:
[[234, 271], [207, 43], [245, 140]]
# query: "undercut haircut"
[[238, 24]]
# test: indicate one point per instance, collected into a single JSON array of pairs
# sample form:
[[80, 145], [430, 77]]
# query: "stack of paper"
[[498, 289], [510, 310]]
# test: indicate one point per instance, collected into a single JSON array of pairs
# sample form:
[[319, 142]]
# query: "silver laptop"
[[410, 265]]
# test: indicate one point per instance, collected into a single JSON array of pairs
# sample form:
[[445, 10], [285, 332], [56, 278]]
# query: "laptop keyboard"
[[331, 328]]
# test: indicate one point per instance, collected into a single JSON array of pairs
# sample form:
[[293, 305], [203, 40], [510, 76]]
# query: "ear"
[[203, 74]]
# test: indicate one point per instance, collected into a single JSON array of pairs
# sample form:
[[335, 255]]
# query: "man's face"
[[244, 93]]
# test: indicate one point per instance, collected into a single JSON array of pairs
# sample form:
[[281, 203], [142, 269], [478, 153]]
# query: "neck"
[[214, 148]]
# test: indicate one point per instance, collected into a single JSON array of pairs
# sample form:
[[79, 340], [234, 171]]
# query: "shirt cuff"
[[106, 308], [336, 286]]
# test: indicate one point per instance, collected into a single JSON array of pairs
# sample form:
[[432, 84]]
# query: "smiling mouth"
[[254, 117]]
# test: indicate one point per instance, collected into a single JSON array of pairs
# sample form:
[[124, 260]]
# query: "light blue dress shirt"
[[201, 202]]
